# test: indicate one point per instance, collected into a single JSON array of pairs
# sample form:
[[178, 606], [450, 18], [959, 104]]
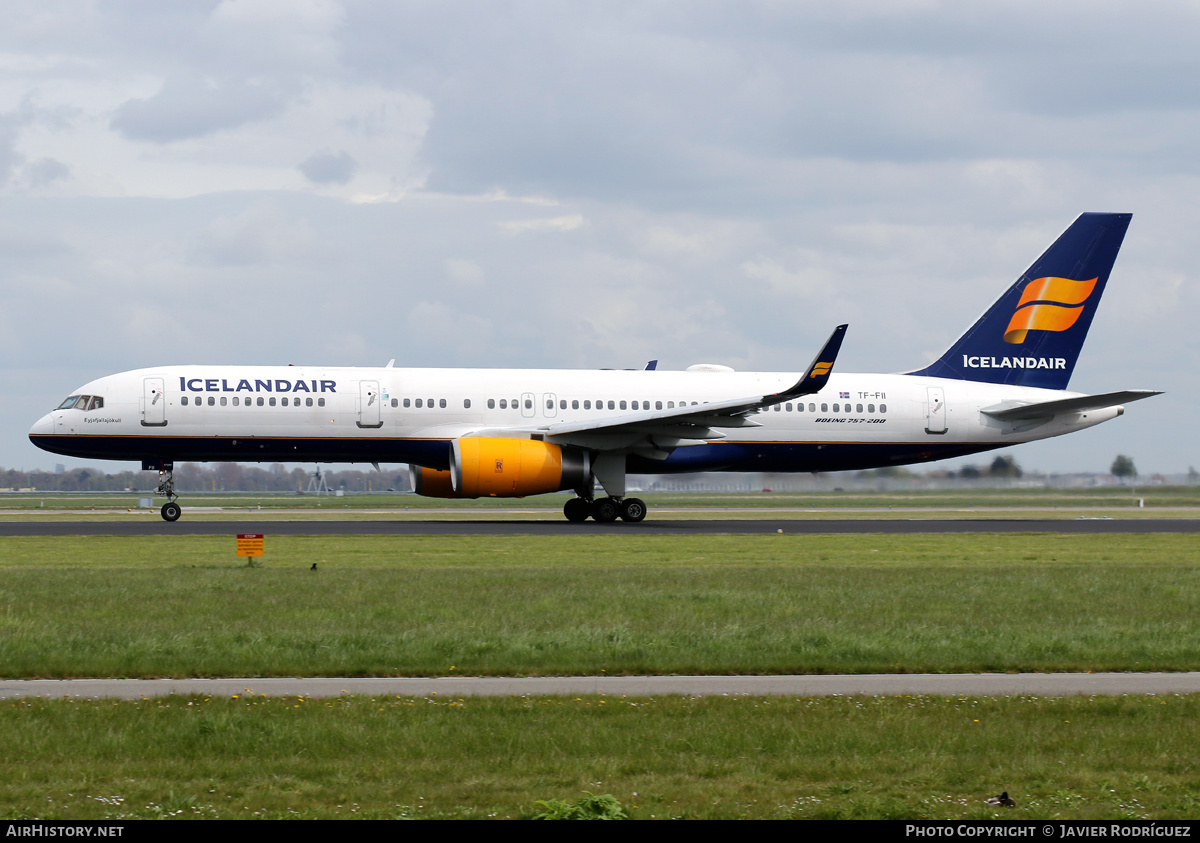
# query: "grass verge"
[[423, 606], [894, 757]]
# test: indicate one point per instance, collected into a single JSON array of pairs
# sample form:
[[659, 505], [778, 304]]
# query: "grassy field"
[[390, 606], [899, 757], [182, 606]]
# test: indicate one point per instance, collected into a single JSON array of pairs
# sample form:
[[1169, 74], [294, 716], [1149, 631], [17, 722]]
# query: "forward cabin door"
[[368, 404], [154, 403], [935, 410]]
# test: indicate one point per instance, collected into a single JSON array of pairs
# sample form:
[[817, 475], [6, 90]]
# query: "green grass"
[[673, 757], [390, 606], [622, 604]]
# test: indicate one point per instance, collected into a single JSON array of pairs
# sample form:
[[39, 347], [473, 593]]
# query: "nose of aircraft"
[[43, 426]]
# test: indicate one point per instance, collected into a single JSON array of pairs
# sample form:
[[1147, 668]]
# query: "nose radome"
[[43, 426]]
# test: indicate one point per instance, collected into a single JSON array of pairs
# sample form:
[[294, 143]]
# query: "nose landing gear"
[[166, 487]]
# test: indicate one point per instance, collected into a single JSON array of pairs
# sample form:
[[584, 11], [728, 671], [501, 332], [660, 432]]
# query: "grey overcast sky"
[[550, 184]]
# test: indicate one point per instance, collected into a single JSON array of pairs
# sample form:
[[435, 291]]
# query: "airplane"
[[469, 433]]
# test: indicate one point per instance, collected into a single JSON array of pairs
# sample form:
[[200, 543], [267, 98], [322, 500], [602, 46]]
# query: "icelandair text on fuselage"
[[243, 385], [1049, 830], [1014, 362]]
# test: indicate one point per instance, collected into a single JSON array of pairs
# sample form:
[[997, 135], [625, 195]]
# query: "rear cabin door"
[[935, 412], [154, 403]]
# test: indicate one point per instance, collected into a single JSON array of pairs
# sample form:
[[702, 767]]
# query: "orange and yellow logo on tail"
[[821, 369], [1048, 304]]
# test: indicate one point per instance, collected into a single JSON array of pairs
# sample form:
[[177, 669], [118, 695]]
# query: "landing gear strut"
[[166, 486]]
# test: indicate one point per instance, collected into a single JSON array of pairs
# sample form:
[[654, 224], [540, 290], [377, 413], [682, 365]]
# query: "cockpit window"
[[82, 402]]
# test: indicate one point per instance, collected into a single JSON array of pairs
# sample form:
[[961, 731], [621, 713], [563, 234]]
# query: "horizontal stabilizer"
[[1044, 409]]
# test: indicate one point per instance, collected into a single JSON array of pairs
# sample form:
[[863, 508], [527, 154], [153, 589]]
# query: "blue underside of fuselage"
[[435, 453]]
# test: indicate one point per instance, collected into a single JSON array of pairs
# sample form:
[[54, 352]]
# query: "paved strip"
[[986, 684], [565, 528]]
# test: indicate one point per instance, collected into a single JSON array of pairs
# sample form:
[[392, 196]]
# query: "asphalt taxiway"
[[929, 684]]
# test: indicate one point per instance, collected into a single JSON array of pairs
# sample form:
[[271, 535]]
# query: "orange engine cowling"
[[483, 466], [430, 482]]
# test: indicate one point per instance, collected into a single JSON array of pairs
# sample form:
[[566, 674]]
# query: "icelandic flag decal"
[[843, 395]]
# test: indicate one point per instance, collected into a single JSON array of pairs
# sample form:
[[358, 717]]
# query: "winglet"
[[817, 374], [651, 366]]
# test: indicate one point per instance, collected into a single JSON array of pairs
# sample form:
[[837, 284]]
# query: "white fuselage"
[[316, 414]]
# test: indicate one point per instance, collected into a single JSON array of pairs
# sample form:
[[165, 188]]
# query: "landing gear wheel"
[[633, 509], [604, 510], [171, 511], [577, 510]]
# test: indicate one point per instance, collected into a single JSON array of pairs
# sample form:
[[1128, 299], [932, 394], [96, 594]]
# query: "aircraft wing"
[[1080, 404], [656, 432]]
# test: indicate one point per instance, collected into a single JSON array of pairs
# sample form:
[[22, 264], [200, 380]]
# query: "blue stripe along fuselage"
[[435, 453]]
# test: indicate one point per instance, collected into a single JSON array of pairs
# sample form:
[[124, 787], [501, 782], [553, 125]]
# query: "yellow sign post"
[[250, 544]]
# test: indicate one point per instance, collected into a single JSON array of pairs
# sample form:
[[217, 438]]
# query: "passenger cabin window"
[[491, 403], [418, 403], [395, 402], [183, 400], [442, 403], [466, 403]]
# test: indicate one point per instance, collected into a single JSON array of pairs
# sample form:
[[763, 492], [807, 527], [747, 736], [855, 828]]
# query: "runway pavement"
[[555, 526], [988, 684]]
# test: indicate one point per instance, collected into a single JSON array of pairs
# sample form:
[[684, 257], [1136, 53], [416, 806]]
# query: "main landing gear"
[[605, 510], [166, 486]]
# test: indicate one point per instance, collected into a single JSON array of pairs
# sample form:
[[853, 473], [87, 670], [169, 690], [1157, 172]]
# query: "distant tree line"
[[198, 477]]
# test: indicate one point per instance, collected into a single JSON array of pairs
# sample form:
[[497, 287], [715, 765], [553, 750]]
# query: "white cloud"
[[569, 222]]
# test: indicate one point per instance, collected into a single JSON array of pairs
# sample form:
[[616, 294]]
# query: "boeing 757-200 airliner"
[[469, 433]]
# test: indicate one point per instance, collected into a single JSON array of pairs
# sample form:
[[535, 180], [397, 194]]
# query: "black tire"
[[171, 511], [577, 510], [604, 511], [633, 509]]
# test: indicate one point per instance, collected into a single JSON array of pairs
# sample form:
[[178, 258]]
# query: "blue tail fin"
[[1033, 333]]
